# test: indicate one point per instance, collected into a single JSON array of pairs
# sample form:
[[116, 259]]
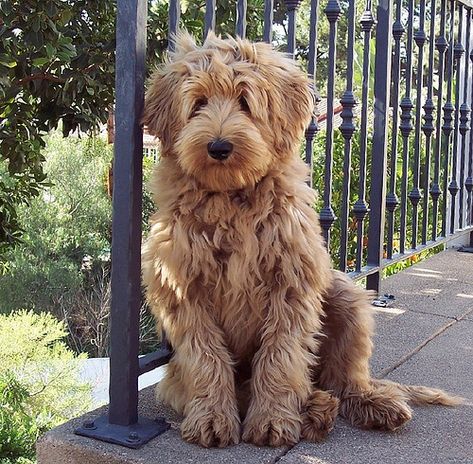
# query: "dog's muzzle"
[[219, 149]]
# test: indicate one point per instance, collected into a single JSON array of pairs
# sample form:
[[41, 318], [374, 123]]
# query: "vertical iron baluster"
[[441, 44], [311, 70], [469, 179], [458, 51], [391, 199], [347, 128], [464, 120], [327, 216], [406, 126], [382, 81], [241, 18], [415, 194], [210, 6], [174, 15], [291, 6], [360, 208], [448, 110], [126, 221], [428, 126], [268, 20]]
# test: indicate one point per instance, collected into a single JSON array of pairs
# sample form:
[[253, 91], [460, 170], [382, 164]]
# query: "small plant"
[[414, 259], [39, 383], [18, 429]]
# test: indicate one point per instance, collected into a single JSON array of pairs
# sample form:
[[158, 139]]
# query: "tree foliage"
[[56, 67], [69, 221]]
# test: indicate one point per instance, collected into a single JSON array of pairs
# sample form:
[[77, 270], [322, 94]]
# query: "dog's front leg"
[[211, 412], [280, 379]]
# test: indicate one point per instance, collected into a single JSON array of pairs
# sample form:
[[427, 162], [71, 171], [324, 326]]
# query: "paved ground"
[[424, 337]]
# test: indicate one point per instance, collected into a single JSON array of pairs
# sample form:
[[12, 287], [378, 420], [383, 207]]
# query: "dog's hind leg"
[[173, 388], [344, 353], [344, 364]]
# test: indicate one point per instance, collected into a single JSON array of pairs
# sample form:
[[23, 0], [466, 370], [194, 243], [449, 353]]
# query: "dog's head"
[[228, 111]]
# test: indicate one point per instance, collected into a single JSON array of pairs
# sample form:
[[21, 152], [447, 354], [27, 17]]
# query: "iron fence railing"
[[399, 182]]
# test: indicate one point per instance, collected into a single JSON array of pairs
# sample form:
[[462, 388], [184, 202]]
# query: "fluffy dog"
[[236, 271]]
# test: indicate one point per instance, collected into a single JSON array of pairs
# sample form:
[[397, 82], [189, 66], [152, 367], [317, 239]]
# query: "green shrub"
[[62, 265], [39, 383], [18, 429], [70, 220]]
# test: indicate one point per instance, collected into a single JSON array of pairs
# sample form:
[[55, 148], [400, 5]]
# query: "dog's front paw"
[[381, 409], [211, 427], [272, 427], [319, 416]]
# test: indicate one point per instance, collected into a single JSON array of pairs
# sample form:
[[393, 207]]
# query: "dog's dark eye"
[[244, 105], [199, 104]]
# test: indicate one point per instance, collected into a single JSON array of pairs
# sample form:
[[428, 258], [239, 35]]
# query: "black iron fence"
[[395, 177]]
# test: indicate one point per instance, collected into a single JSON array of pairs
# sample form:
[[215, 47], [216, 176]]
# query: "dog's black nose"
[[220, 149]]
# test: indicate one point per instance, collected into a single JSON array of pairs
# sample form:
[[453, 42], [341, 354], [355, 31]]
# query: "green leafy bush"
[[70, 221], [62, 265], [18, 429], [39, 383], [56, 66]]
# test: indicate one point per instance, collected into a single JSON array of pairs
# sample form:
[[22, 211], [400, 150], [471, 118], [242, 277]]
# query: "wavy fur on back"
[[268, 341]]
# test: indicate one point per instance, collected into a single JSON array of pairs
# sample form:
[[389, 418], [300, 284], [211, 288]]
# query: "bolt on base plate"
[[131, 436]]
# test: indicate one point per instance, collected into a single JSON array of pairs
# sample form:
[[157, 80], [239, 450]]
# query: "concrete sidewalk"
[[424, 337]]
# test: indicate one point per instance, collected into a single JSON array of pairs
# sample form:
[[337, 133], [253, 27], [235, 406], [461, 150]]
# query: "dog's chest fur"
[[233, 243], [227, 252]]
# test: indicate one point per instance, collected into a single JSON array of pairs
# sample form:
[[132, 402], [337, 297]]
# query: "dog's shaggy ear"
[[159, 115], [291, 104], [297, 107], [161, 112]]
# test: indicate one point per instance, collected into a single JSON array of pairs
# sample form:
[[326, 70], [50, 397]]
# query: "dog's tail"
[[419, 395]]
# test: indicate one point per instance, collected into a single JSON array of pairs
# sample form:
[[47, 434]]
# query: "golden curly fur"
[[236, 271]]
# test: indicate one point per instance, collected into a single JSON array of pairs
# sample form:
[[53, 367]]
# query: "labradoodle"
[[270, 343]]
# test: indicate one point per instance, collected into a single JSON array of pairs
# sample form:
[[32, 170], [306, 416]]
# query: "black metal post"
[[392, 200], [441, 44], [415, 194], [240, 28], [292, 6], [464, 122], [126, 224], [311, 70], [210, 6], [122, 425], [406, 127], [327, 216], [380, 140], [453, 186], [428, 126], [469, 179], [447, 126]]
